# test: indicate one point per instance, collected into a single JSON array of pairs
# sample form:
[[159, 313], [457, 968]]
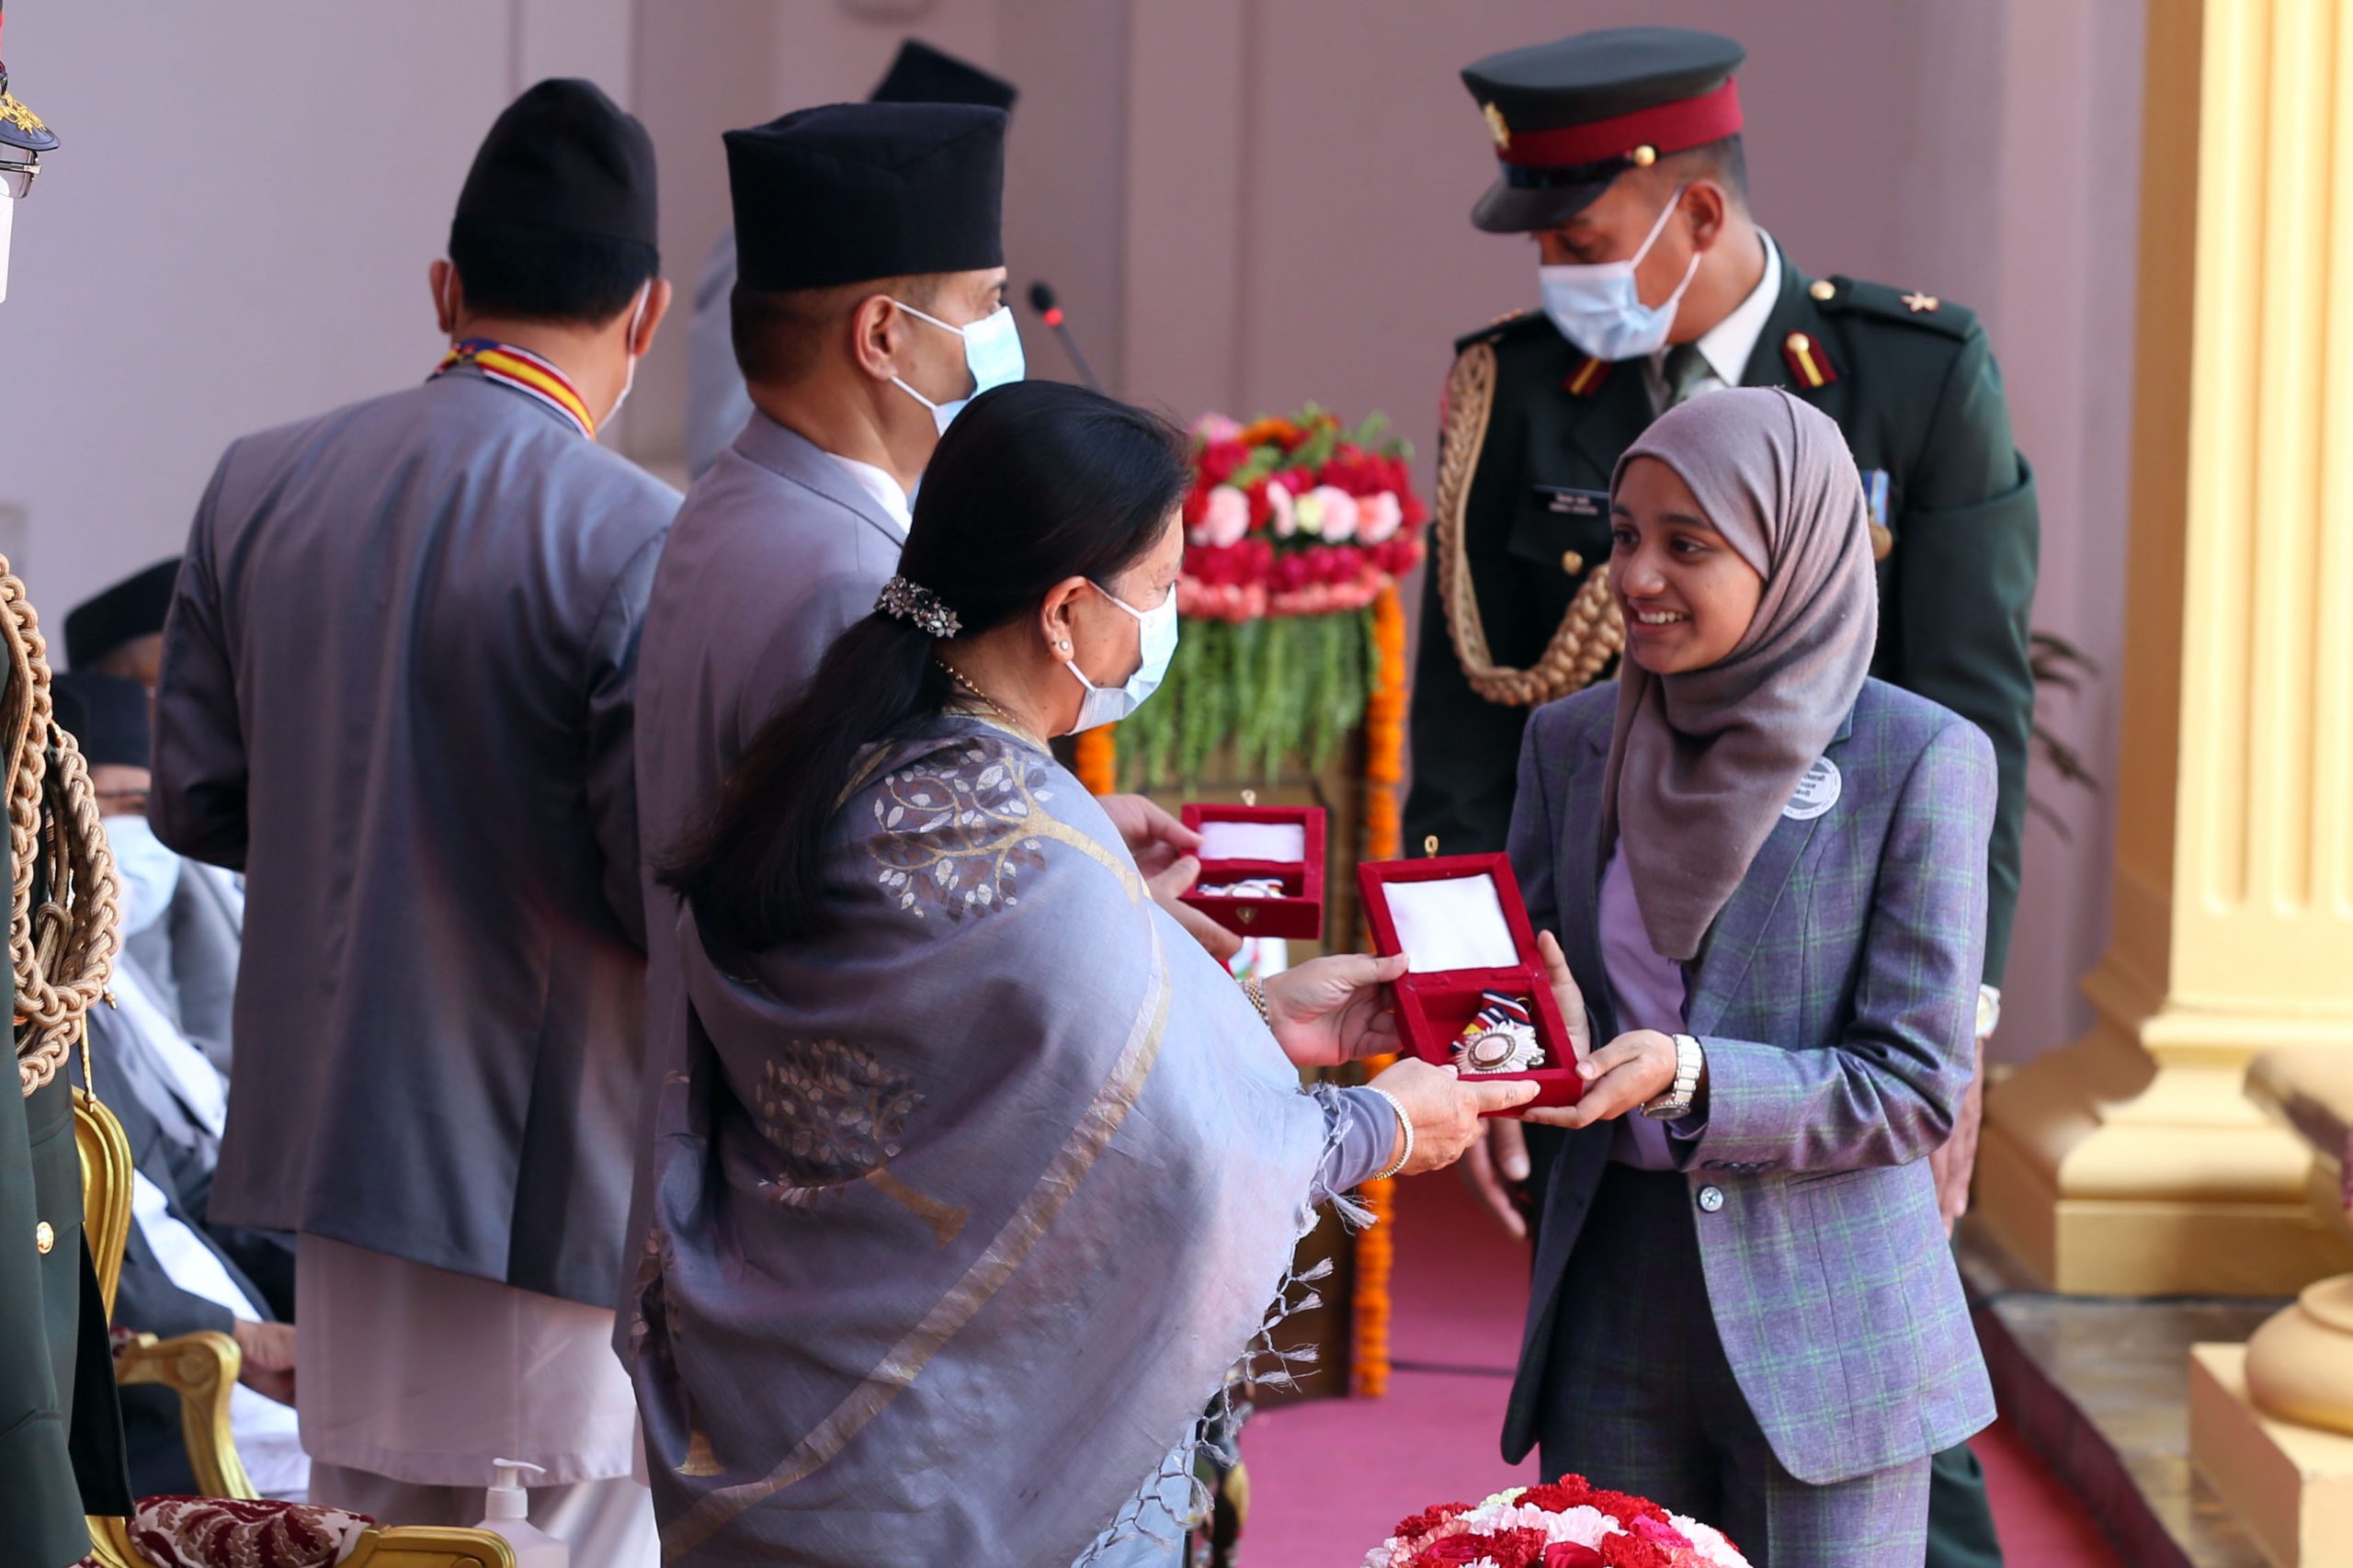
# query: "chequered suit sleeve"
[[1885, 1094]]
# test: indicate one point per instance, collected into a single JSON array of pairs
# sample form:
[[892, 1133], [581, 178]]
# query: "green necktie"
[[1685, 368]]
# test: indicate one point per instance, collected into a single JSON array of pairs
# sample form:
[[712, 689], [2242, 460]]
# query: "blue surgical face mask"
[[1597, 306], [992, 352], [1109, 704], [145, 872]]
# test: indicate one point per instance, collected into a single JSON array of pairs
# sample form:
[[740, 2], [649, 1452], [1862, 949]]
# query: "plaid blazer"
[[1836, 998]]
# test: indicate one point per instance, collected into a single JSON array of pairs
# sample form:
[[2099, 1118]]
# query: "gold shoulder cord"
[[63, 953], [1588, 634]]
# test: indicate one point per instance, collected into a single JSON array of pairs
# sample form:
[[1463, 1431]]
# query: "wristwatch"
[[1677, 1101]]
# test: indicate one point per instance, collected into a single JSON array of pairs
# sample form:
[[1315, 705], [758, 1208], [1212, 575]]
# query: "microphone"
[[1042, 299]]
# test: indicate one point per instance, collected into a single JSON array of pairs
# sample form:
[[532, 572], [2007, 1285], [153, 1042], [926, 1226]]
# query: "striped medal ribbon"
[[523, 371]]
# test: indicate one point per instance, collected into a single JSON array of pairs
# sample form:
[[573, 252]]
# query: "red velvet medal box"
[[1477, 946], [1300, 911]]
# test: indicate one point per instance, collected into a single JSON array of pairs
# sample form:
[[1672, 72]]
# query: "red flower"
[[1569, 1554], [1658, 1532], [1428, 1520], [1516, 1549], [1220, 458], [1629, 1552], [1454, 1551]]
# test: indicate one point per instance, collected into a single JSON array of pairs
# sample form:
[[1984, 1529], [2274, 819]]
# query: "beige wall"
[[1244, 204]]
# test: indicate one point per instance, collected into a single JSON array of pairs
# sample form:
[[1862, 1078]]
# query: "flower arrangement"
[[1569, 1523], [1295, 515], [1295, 527]]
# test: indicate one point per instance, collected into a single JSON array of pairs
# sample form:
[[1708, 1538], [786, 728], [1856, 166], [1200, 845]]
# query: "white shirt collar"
[[885, 490], [1728, 344]]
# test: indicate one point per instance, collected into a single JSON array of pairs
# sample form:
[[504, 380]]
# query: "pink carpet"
[[1328, 1479]]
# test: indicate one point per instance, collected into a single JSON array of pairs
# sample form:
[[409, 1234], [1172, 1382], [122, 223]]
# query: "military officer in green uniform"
[[60, 1432], [1620, 152]]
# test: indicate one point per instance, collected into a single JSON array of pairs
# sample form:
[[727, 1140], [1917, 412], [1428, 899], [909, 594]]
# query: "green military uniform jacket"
[[61, 1430], [1913, 383]]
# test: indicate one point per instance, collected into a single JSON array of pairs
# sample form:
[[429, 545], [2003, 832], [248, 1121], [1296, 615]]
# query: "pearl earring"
[[1063, 645]]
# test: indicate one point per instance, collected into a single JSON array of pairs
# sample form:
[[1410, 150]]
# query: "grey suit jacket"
[[776, 552], [398, 693], [1836, 999]]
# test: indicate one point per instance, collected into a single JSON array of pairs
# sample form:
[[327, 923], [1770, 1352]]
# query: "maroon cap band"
[[1663, 128]]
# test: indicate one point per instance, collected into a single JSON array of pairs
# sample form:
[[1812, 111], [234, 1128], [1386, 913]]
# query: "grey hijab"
[[1702, 764]]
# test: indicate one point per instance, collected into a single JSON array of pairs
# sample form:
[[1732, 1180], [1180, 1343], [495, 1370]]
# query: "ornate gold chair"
[[202, 1368]]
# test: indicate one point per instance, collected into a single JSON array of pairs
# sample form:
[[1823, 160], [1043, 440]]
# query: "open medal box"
[[1461, 921], [1277, 851]]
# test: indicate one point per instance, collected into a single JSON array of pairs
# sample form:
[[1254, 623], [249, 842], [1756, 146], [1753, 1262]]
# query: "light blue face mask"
[[1109, 704], [146, 871], [992, 352], [1599, 309]]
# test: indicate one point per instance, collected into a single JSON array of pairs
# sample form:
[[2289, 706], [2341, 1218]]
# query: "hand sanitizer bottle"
[[534, 1547]]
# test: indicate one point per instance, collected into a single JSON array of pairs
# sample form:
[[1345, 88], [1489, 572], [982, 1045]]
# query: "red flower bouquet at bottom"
[[1569, 1523]]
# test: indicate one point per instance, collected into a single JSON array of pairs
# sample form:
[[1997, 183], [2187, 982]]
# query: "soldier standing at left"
[[61, 1430]]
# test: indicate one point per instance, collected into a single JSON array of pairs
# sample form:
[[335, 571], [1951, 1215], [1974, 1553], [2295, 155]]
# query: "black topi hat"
[[922, 74], [851, 192], [107, 715], [565, 156], [132, 609], [1568, 117]]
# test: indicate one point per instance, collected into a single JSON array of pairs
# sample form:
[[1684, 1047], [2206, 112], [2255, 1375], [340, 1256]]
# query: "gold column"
[[2129, 1162]]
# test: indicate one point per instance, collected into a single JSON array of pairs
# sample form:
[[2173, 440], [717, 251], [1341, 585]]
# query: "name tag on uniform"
[[1815, 793], [1563, 501]]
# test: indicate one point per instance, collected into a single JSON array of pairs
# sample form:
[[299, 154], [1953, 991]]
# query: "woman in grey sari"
[[983, 1177]]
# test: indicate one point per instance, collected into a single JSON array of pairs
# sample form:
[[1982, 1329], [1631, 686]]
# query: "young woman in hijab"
[[1768, 876], [983, 1174]]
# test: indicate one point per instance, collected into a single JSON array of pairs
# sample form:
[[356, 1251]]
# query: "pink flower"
[[1339, 509], [1224, 519], [1379, 517], [1279, 503], [1215, 427]]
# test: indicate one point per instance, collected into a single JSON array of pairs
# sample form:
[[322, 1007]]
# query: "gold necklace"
[[1003, 712]]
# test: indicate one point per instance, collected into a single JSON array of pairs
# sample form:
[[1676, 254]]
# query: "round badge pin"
[[1815, 793]]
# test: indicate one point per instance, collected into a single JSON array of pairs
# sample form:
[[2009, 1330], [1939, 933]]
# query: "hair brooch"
[[912, 601]]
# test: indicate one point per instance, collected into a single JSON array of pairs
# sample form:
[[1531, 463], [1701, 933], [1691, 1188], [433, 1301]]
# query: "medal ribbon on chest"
[[523, 371]]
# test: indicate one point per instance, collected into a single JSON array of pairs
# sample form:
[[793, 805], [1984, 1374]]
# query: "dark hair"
[[1724, 160], [533, 273], [779, 333], [1034, 482]]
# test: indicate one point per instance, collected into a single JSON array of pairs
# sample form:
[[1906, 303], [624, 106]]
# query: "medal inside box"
[[1282, 846], [1461, 919]]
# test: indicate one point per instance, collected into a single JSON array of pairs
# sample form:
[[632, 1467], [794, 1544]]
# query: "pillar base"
[[2290, 1486], [2131, 1163]]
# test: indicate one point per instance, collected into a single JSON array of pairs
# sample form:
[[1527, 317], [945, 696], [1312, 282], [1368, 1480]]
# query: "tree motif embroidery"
[[957, 828], [834, 1113]]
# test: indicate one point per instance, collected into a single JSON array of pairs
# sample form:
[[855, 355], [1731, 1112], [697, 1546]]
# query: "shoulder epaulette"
[[1501, 328], [1913, 307]]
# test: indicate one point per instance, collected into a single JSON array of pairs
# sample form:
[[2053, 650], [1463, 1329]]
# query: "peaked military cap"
[[922, 74], [851, 192], [107, 716], [565, 156], [132, 609], [23, 137], [1568, 117]]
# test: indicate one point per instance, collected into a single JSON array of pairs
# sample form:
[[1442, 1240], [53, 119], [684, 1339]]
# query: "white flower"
[[1379, 517], [1339, 511], [1224, 518], [1285, 514]]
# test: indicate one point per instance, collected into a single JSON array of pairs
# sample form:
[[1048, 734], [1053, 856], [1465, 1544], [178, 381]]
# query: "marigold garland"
[[1384, 770], [1097, 760]]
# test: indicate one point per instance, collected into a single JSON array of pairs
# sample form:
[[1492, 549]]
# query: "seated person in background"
[[190, 954], [181, 1090], [176, 1279]]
